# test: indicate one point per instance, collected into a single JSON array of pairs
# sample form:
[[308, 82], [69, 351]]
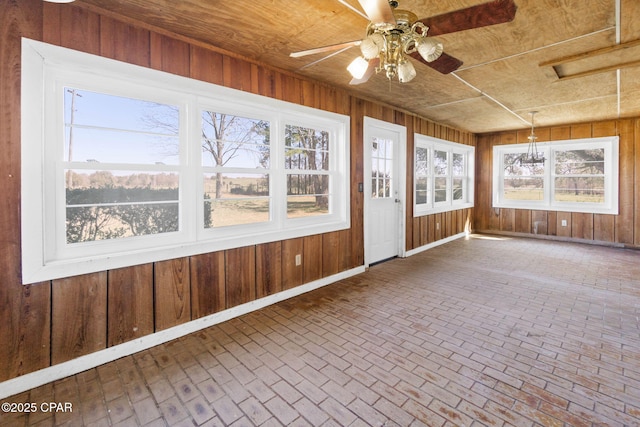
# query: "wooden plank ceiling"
[[501, 79]]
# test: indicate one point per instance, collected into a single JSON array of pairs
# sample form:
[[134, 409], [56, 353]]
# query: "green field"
[[537, 194]]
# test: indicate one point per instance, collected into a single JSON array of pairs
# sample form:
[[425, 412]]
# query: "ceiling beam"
[[591, 54]]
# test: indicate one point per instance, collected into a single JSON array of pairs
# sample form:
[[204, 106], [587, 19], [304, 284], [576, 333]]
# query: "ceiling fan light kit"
[[393, 35], [392, 42]]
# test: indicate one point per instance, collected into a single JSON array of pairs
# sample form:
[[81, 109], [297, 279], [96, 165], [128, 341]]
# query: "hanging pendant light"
[[532, 156]]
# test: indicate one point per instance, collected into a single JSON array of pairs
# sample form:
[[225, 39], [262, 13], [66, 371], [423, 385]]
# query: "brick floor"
[[482, 331]]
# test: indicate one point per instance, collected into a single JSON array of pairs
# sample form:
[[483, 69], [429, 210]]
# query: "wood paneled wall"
[[52, 322], [623, 228]]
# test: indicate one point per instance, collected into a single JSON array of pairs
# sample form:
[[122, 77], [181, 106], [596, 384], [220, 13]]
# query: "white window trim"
[[45, 67], [468, 151], [611, 175]]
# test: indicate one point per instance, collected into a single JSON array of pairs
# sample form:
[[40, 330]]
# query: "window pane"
[[88, 223], [422, 163], [513, 165], [580, 162], [113, 129], [458, 164], [422, 191], [232, 199], [307, 195], [235, 211], [234, 141], [112, 204], [440, 163], [458, 189], [120, 186], [440, 193], [380, 185], [524, 188], [306, 149], [579, 189], [522, 181]]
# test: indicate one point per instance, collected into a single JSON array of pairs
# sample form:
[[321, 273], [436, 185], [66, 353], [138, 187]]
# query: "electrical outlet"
[[298, 259], [437, 226], [563, 223]]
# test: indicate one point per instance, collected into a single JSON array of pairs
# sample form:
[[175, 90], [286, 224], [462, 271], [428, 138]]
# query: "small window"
[[576, 176], [443, 175]]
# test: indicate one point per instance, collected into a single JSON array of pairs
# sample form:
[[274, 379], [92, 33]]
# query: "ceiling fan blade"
[[445, 64], [325, 49], [310, 64], [373, 63], [378, 11], [482, 15], [347, 5]]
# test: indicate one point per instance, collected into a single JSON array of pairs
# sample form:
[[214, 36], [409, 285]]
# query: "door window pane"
[[381, 167]]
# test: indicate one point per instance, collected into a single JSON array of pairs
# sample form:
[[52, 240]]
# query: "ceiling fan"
[[395, 34]]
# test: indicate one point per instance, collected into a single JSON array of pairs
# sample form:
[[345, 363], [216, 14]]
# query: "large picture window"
[[443, 175], [124, 165], [576, 176]]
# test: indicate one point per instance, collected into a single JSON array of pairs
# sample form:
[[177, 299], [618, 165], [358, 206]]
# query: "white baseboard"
[[436, 243], [83, 363]]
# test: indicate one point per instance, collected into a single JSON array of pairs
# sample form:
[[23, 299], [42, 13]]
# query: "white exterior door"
[[384, 153]]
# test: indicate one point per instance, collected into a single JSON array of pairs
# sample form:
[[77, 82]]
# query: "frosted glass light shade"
[[430, 49], [370, 47], [358, 67], [406, 72]]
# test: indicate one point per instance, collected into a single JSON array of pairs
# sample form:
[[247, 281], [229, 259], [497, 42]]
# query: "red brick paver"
[[484, 331]]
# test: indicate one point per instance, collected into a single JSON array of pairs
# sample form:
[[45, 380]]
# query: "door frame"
[[369, 125]]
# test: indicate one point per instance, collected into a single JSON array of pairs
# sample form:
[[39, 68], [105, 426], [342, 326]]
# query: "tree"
[[224, 137], [308, 149]]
